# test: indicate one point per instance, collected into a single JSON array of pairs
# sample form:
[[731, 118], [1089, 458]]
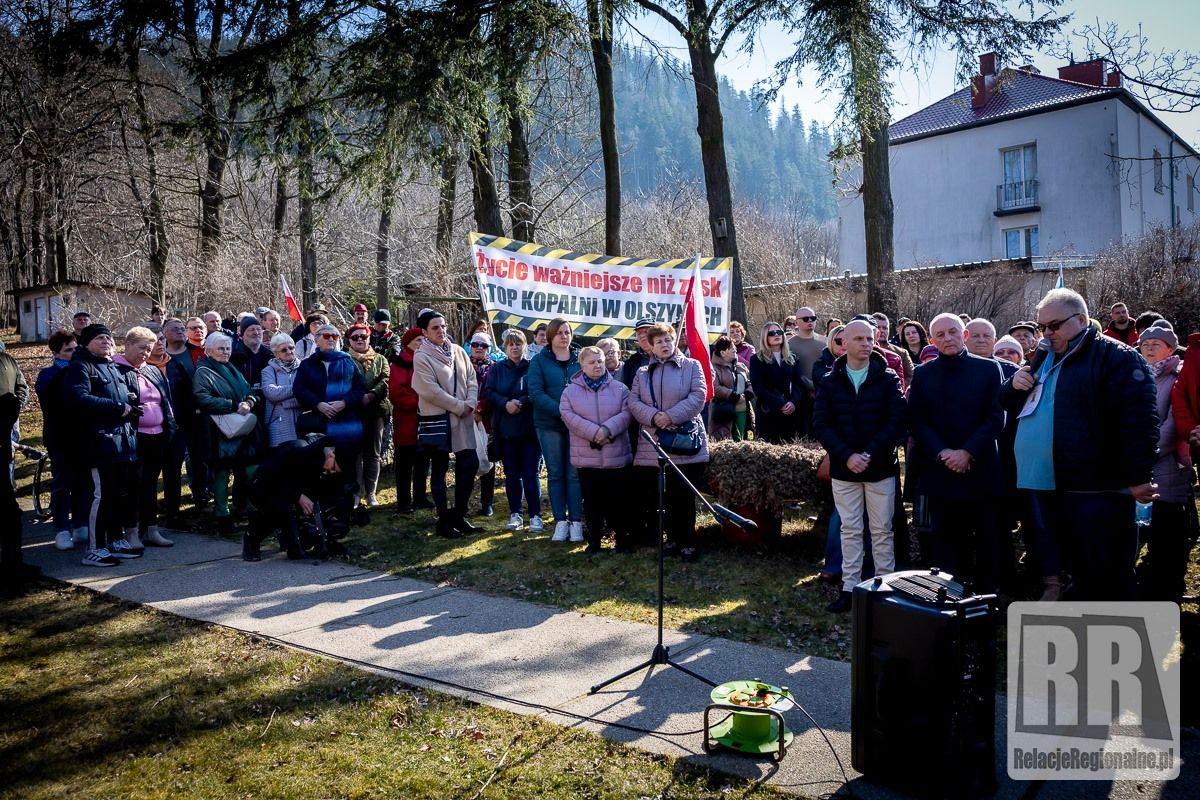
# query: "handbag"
[[823, 473], [722, 410], [433, 432], [481, 450], [683, 440], [235, 426], [310, 422]]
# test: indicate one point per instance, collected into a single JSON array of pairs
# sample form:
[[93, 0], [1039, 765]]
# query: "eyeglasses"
[[1052, 327], [479, 344], [330, 336], [775, 333], [1007, 352], [808, 319], [287, 348], [359, 338]]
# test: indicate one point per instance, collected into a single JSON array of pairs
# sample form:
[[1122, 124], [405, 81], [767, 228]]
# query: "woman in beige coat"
[[444, 381]]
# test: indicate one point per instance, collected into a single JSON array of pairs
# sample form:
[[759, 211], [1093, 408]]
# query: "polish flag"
[[293, 309], [695, 327]]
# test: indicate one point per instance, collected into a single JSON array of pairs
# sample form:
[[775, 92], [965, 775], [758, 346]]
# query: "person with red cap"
[[360, 312]]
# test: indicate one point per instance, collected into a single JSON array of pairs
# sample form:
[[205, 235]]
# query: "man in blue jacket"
[[1086, 442], [858, 417], [955, 418]]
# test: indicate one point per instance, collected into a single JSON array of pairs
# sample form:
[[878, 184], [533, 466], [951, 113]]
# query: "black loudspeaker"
[[923, 684]]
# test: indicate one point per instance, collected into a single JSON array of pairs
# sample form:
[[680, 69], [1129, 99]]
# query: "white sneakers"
[[567, 531], [515, 522], [63, 541], [99, 558], [536, 525]]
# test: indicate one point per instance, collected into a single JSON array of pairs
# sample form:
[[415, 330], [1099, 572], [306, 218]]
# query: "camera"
[[135, 404]]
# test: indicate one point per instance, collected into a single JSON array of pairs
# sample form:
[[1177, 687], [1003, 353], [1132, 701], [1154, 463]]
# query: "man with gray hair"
[[1086, 442], [981, 337], [956, 457]]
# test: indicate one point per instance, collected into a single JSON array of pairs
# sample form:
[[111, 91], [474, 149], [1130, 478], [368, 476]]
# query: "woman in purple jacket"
[[668, 393], [593, 409]]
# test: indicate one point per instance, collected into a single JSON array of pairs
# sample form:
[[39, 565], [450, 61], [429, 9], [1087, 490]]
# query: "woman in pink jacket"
[[593, 409]]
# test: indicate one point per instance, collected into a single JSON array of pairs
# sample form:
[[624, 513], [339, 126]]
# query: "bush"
[[765, 476]]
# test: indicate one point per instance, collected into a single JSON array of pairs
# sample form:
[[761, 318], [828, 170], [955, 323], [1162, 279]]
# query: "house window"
[[1191, 193], [1020, 176], [1158, 172], [1021, 242]]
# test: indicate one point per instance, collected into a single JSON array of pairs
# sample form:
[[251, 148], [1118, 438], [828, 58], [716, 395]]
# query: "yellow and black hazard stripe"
[[517, 247]]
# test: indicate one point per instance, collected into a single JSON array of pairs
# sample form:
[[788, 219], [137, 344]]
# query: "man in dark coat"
[[955, 418], [100, 401], [1086, 443], [858, 417]]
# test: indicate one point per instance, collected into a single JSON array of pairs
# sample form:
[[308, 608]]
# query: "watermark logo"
[[1093, 691]]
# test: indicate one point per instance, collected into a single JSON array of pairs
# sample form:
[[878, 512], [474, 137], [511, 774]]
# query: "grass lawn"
[[105, 700]]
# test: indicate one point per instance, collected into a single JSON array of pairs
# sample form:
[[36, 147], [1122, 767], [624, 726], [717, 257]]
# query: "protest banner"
[[523, 284]]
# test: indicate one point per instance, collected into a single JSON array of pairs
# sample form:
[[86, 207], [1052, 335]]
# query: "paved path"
[[516, 649]]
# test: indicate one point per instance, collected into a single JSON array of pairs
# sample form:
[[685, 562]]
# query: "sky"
[[1166, 23]]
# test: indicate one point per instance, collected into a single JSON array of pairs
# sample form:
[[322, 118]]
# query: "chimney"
[[1114, 78], [981, 84], [1088, 72]]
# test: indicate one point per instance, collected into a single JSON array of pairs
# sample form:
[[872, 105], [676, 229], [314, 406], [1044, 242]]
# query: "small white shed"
[[41, 310]]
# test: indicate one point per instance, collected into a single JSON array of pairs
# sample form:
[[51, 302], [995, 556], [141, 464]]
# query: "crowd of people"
[[1059, 429]]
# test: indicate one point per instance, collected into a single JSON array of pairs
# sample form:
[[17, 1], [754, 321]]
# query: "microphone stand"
[[661, 653]]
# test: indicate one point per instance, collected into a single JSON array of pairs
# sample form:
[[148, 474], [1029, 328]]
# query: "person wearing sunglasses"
[[480, 349], [779, 385], [376, 409], [330, 389], [306, 343], [834, 349], [282, 407], [1086, 443], [807, 346]]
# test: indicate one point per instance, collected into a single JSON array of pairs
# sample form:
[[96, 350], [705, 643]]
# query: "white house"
[[41, 310], [1021, 164]]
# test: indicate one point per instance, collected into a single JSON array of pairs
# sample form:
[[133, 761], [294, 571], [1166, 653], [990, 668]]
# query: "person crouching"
[[593, 409]]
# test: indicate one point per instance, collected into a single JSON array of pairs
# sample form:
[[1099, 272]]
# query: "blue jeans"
[[566, 496], [521, 457]]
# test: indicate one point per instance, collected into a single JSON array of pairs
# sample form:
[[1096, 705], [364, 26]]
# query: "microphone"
[[727, 515]]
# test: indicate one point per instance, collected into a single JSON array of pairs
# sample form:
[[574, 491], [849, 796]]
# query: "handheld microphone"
[[736, 519]]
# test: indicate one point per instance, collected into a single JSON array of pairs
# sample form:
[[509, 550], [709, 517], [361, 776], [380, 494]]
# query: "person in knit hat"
[[1009, 349], [384, 340], [411, 463], [1160, 575]]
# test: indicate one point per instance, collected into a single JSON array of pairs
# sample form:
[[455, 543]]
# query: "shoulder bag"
[[683, 440], [433, 432], [232, 425]]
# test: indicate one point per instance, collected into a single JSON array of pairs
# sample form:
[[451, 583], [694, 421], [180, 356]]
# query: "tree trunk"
[[484, 195], [306, 186], [711, 128], [278, 221], [447, 184], [157, 240], [878, 219], [600, 26], [520, 191], [36, 249], [382, 247]]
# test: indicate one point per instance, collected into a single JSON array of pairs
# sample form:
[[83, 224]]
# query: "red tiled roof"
[[1013, 94]]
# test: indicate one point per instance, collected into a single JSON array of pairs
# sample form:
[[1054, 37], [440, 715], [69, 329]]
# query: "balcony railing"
[[1019, 196]]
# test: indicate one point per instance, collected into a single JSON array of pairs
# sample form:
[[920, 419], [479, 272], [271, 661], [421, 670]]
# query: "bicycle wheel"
[[43, 478]]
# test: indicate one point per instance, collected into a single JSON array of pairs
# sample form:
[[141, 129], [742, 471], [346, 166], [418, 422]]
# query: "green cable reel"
[[754, 724]]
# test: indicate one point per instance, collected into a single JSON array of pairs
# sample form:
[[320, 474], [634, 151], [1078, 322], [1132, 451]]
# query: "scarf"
[[1168, 366], [364, 359], [286, 366], [345, 428], [61, 363], [443, 352], [595, 385]]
